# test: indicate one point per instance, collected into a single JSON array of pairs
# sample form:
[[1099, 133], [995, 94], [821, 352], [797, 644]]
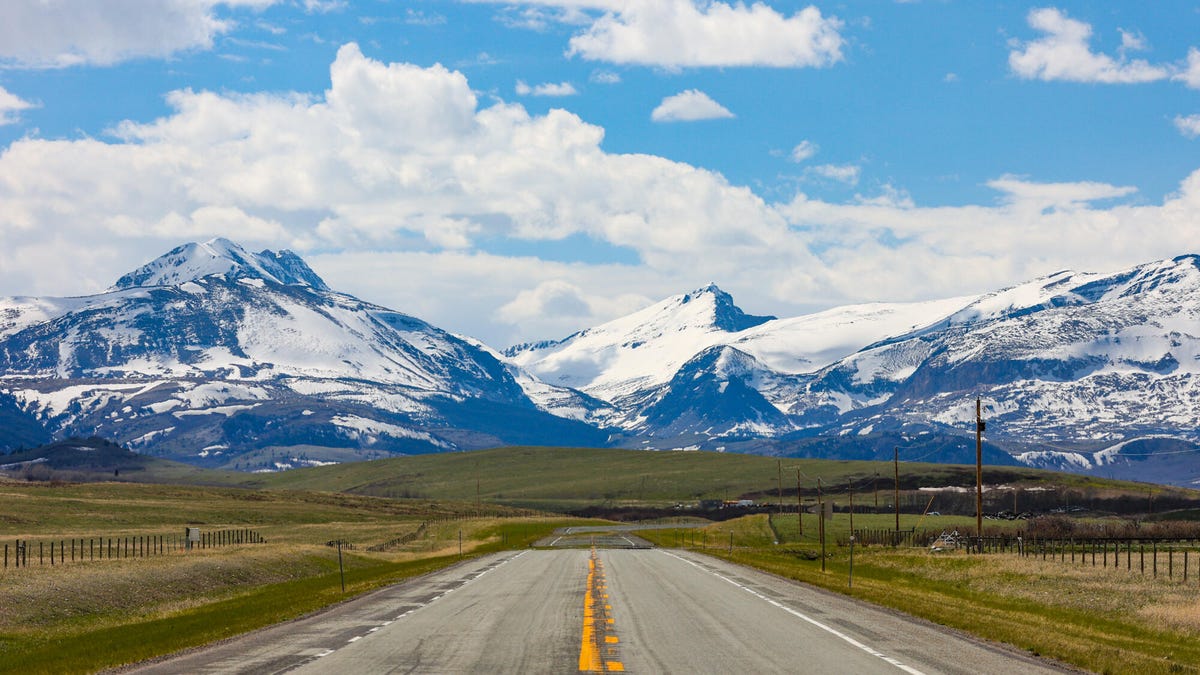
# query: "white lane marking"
[[327, 652], [374, 629], [804, 617], [555, 542], [464, 583], [356, 638]]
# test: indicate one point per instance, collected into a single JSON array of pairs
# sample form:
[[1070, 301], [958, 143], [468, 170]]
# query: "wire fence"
[[25, 552]]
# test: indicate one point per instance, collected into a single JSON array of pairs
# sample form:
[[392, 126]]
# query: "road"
[[641, 611]]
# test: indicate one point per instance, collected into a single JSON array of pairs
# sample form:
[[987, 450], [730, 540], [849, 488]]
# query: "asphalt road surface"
[[573, 610]]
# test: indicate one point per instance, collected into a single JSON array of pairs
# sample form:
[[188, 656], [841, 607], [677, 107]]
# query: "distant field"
[[570, 478]]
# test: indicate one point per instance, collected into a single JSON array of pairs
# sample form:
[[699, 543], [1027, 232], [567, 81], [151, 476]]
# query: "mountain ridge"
[[220, 356]]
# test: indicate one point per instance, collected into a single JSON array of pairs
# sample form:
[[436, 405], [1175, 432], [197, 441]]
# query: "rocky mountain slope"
[[212, 352], [219, 356]]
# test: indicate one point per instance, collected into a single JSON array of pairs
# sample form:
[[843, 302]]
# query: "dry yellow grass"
[[1105, 591]]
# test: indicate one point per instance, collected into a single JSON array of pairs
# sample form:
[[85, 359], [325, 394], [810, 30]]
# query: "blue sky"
[[520, 170]]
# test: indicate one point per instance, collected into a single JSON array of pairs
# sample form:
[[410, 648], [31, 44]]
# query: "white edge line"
[[804, 617]]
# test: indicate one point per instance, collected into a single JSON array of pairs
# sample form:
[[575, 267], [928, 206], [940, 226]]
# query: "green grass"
[[81, 617], [105, 642], [567, 478], [1098, 619]]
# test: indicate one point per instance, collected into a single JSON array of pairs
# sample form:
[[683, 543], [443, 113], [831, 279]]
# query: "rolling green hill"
[[568, 478]]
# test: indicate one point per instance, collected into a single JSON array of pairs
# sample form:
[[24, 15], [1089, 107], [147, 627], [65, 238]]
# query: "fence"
[[893, 538], [1128, 553], [24, 552]]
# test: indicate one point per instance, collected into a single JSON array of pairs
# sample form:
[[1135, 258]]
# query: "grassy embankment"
[[1107, 620], [87, 616]]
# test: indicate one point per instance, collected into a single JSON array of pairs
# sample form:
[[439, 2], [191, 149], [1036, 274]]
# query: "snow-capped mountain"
[[212, 351], [1075, 358], [678, 355], [220, 356], [1079, 361]]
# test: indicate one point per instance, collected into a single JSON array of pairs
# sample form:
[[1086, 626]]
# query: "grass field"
[[404, 516], [1106, 620], [569, 478], [85, 616]]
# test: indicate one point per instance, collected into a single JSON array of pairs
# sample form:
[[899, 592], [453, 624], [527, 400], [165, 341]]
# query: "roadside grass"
[[88, 616], [1100, 619]]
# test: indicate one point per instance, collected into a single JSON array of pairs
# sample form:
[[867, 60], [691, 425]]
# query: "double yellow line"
[[598, 644]]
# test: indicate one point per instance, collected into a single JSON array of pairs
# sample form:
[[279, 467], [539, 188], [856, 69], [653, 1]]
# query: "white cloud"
[[1190, 73], [396, 182], [553, 298], [10, 106], [546, 89], [689, 106], [1063, 53], [1188, 125], [684, 33], [804, 150], [843, 173], [605, 77], [63, 33]]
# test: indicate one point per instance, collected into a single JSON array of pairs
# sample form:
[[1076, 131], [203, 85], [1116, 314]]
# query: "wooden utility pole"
[[799, 506], [821, 522], [779, 478], [851, 507], [896, 465], [979, 426]]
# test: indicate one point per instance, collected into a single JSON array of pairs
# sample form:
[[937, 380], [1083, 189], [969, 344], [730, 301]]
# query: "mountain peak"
[[726, 315], [220, 256]]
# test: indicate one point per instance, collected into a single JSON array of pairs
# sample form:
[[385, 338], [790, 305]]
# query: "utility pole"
[[821, 522], [896, 465], [979, 426], [779, 478], [799, 507], [876, 492], [851, 508]]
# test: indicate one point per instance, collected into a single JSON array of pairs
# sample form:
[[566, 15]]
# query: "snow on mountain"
[[221, 257], [720, 392], [645, 349], [640, 350], [1070, 357], [218, 355], [213, 345]]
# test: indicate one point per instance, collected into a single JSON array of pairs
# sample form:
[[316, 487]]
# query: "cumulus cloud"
[[1188, 125], [63, 33], [687, 33], [682, 33], [689, 106], [1190, 73], [396, 181], [10, 106], [804, 150], [546, 89], [1063, 53]]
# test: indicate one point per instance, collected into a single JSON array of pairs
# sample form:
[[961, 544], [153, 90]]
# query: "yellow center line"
[[597, 649]]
